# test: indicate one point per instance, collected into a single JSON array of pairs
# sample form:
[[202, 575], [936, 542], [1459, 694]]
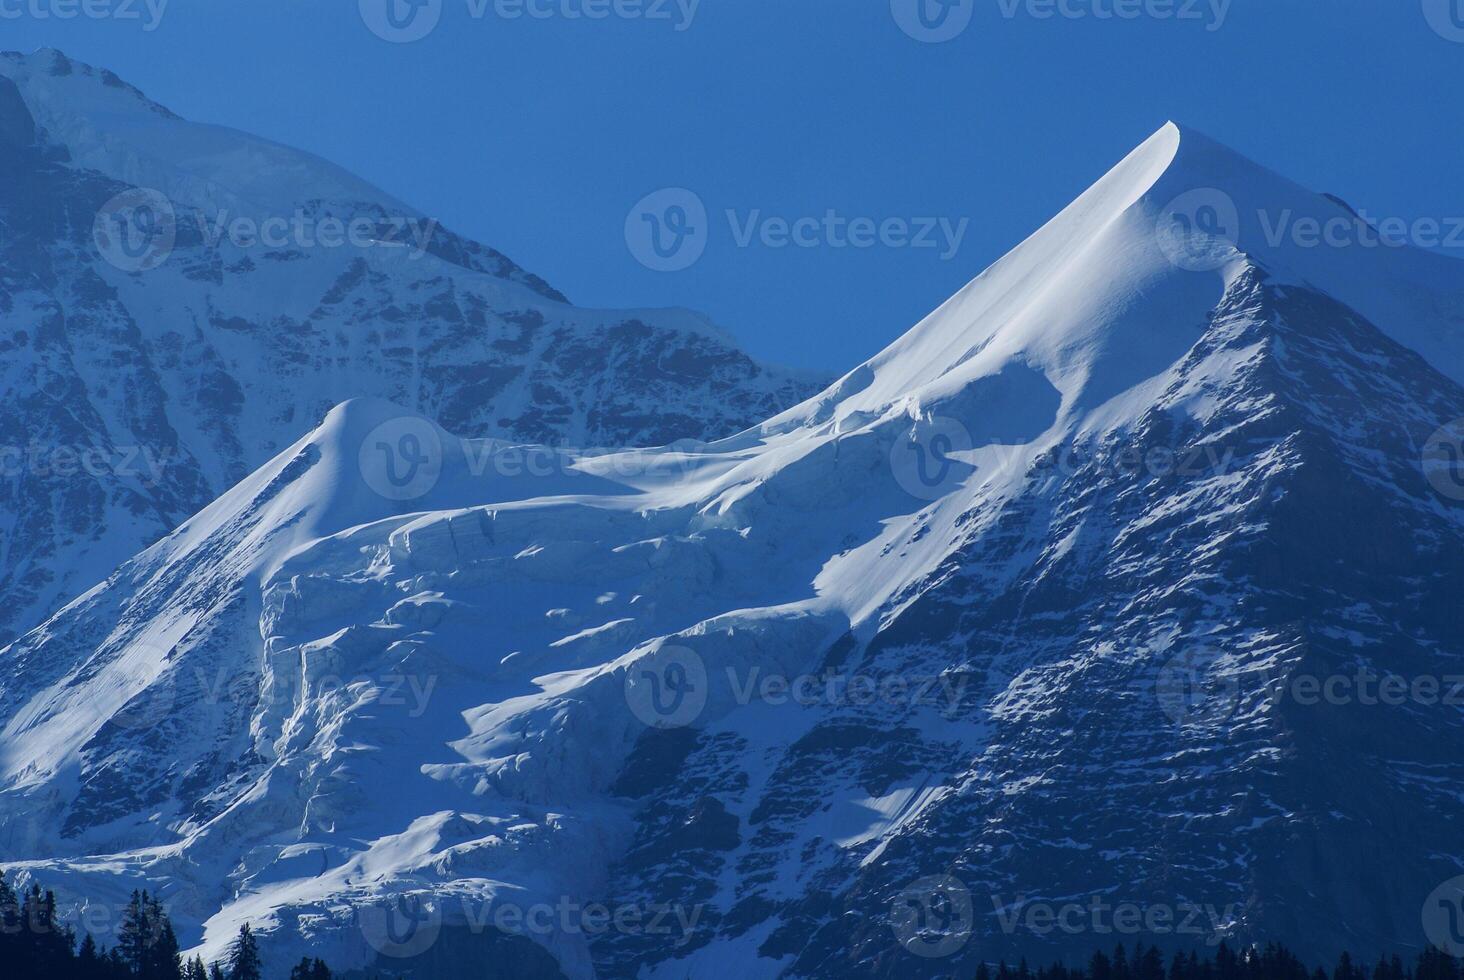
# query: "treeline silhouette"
[[34, 943], [1272, 962]]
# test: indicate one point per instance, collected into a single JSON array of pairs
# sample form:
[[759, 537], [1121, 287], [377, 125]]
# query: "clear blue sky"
[[538, 136]]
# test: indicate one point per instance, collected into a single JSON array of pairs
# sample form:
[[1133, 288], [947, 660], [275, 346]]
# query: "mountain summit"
[[1023, 622]]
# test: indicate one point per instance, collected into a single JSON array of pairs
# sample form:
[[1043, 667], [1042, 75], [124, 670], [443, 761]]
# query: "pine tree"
[[162, 959], [1121, 964], [89, 956], [1227, 964], [308, 969], [46, 944], [1347, 970], [9, 916], [244, 963], [133, 938], [117, 963], [1149, 964]]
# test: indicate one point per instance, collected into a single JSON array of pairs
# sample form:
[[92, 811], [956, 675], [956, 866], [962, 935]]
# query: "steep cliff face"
[[1065, 603], [180, 301]]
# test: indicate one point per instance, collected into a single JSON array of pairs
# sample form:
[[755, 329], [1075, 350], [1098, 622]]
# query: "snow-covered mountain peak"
[[108, 126], [1120, 282]]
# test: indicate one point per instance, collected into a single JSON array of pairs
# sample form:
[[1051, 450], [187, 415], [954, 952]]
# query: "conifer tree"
[[88, 956], [244, 962], [162, 959], [132, 935], [46, 945]]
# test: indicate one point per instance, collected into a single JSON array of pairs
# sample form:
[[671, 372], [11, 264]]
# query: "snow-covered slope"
[[136, 395], [395, 676]]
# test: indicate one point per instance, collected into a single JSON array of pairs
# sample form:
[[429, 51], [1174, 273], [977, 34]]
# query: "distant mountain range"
[[141, 385]]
